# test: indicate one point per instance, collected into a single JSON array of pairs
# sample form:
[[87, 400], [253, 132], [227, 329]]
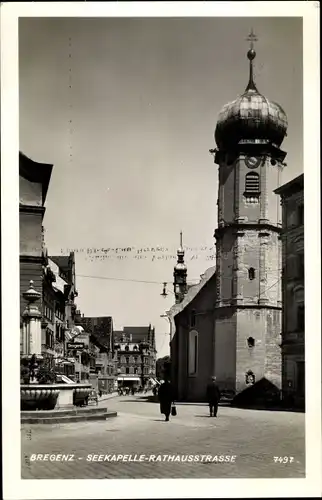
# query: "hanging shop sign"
[[78, 346]]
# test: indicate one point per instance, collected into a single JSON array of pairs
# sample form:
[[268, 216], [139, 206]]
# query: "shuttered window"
[[252, 183]]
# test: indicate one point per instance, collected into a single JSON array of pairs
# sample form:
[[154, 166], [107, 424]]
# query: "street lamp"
[[170, 323]]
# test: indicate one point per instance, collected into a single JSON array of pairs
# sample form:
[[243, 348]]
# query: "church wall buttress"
[[263, 190], [225, 342], [250, 323], [263, 239], [226, 205], [237, 191], [248, 283], [273, 359]]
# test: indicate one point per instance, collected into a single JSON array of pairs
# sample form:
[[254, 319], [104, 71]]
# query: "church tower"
[[249, 133], [180, 275]]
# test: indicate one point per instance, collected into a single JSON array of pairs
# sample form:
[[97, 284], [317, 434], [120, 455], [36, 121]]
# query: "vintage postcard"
[[162, 270]]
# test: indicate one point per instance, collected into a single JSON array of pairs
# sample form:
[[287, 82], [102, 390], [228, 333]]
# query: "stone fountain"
[[38, 390]]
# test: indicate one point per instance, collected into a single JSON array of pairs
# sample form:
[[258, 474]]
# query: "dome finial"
[[251, 54]]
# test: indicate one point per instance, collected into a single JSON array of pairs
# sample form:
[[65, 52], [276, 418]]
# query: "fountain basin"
[[38, 397], [49, 396]]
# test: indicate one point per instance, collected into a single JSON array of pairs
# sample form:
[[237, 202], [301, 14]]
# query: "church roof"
[[291, 187], [192, 293]]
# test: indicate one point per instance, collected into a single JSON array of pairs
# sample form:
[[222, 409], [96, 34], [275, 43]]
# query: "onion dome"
[[180, 266], [251, 116]]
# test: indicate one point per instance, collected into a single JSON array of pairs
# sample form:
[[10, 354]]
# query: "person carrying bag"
[[166, 398], [173, 410]]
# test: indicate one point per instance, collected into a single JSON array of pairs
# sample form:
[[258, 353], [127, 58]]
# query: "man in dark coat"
[[165, 394], [213, 397]]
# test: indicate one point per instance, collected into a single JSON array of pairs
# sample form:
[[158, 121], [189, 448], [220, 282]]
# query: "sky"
[[125, 109]]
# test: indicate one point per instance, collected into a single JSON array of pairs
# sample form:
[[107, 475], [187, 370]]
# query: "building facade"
[[293, 329], [136, 355], [34, 179], [102, 337], [48, 323], [231, 327]]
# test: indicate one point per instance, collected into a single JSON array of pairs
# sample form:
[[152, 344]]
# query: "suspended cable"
[[191, 282]]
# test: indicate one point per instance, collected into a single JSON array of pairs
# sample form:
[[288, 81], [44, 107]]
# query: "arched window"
[[127, 348], [252, 191], [251, 273], [193, 352]]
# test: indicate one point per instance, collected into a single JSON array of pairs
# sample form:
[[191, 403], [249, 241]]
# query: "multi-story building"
[[48, 323], [64, 266], [101, 336], [136, 355], [64, 288], [293, 328], [83, 353], [34, 179]]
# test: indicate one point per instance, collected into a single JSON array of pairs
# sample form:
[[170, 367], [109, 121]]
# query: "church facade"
[[229, 325]]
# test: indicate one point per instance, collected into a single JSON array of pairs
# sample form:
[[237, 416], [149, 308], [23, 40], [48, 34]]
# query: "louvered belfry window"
[[252, 183], [252, 192]]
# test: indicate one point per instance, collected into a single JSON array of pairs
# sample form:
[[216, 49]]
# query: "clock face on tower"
[[253, 161]]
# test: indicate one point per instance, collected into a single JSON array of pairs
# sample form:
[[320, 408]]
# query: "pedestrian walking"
[[213, 397], [166, 399]]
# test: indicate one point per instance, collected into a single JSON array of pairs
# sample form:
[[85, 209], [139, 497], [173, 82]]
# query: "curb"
[[107, 397], [68, 419]]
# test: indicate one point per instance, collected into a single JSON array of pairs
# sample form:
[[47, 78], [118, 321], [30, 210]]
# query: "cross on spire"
[[252, 38], [251, 54]]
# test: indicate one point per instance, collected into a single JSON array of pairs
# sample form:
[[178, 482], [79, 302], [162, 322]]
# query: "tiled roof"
[[296, 184], [193, 292], [136, 329], [61, 261]]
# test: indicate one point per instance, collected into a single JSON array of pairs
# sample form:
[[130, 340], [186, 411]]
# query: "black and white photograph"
[[163, 251]]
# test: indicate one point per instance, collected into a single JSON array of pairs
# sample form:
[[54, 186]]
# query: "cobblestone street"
[[254, 437]]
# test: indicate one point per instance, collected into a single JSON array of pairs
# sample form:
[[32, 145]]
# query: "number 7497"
[[284, 460]]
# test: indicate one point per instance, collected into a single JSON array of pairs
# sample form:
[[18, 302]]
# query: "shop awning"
[[132, 379], [64, 361], [68, 335], [151, 381]]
